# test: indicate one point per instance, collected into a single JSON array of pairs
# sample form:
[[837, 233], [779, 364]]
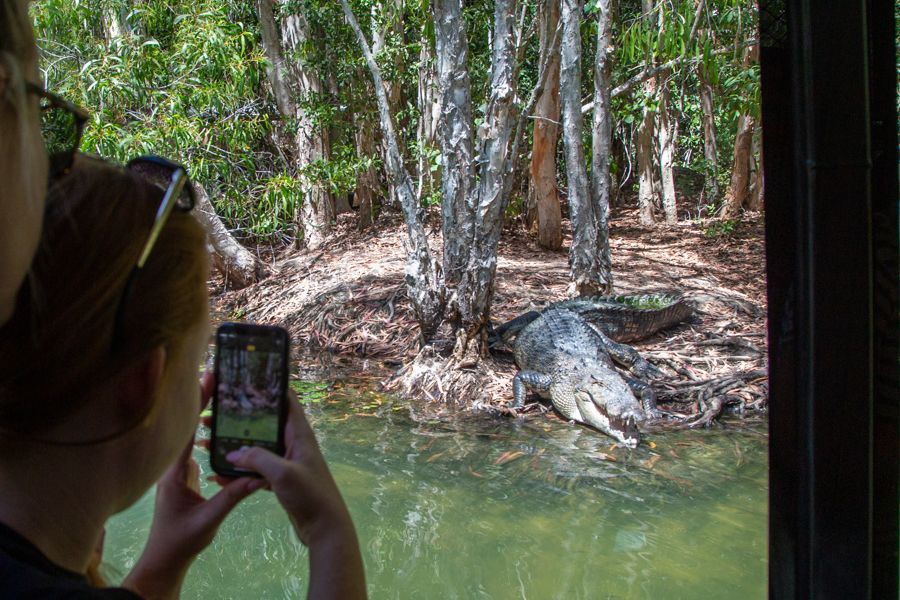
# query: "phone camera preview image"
[[251, 376]]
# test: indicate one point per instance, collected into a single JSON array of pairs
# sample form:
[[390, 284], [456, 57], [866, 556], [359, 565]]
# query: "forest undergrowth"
[[348, 314]]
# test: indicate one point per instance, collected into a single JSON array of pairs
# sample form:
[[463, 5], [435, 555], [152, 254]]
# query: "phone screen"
[[251, 380]]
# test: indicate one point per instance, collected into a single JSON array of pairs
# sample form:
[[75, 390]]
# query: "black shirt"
[[26, 573]]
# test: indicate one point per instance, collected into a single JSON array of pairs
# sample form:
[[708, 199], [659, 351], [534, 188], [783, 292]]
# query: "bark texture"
[[367, 186], [387, 21], [476, 288], [456, 137], [544, 193], [667, 133], [278, 72], [710, 145], [739, 194], [316, 213], [292, 81], [429, 111], [739, 190], [646, 162], [587, 278], [236, 264], [601, 146]]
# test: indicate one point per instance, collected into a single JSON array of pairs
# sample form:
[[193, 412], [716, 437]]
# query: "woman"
[[99, 399], [23, 161]]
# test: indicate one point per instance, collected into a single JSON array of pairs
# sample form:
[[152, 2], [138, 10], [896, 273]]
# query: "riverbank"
[[346, 308]]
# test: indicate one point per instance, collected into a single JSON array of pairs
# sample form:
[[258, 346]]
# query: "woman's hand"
[[307, 491], [184, 523]]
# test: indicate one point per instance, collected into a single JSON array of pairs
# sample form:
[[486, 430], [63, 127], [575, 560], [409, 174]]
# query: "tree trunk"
[[710, 147], [423, 284], [738, 191], [601, 145], [755, 202], [476, 288], [389, 12], [237, 265], [367, 188], [543, 190], [278, 72], [115, 23], [456, 137], [426, 130], [667, 132], [316, 212], [583, 260], [646, 164]]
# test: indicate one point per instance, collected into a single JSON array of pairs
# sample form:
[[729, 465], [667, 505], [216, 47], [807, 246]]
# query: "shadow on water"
[[504, 509]]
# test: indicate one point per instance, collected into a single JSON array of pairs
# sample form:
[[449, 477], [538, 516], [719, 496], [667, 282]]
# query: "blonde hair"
[[58, 345], [17, 47]]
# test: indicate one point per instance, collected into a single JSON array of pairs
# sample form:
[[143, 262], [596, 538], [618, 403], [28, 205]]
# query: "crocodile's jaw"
[[596, 413]]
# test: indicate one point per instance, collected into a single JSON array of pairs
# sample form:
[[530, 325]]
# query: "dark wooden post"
[[829, 122]]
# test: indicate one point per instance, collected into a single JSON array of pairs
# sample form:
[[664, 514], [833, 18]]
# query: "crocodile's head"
[[615, 411]]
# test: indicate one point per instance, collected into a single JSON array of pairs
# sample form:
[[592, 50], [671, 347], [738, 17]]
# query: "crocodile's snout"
[[617, 420]]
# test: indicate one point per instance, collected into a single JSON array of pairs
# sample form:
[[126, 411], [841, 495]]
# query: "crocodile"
[[621, 318], [563, 358]]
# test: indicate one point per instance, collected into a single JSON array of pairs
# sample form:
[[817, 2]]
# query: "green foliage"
[[722, 229], [184, 80], [187, 80], [340, 173]]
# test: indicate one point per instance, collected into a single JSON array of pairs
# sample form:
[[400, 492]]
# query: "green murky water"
[[504, 510]]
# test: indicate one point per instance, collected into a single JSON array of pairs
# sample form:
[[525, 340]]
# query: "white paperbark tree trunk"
[[646, 162], [237, 265], [423, 282], [587, 272], [429, 111], [457, 139], [491, 193], [317, 212], [667, 133], [292, 81], [601, 146]]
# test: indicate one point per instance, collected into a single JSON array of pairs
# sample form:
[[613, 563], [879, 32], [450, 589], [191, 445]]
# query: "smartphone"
[[249, 405]]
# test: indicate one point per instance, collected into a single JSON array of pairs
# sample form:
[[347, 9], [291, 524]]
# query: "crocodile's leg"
[[643, 391], [529, 380], [629, 358]]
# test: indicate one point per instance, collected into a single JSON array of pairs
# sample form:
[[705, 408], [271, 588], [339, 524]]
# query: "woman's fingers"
[[259, 460], [215, 509]]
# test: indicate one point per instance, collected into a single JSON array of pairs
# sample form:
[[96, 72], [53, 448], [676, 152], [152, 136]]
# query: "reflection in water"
[[504, 510]]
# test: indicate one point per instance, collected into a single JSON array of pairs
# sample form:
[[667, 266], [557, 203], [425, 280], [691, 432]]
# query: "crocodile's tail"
[[507, 331], [630, 318]]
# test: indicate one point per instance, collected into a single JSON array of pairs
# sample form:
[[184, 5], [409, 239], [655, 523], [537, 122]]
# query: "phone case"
[[236, 404]]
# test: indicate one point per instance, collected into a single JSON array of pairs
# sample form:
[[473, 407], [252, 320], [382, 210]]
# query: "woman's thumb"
[[258, 460]]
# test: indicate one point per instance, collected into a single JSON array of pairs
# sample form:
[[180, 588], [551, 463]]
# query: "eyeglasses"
[[62, 125], [179, 196]]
